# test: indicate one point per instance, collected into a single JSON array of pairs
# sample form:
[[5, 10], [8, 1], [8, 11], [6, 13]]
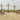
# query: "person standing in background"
[[3, 11]]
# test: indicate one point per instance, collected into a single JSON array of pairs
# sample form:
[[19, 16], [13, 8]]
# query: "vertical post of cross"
[[1, 9]]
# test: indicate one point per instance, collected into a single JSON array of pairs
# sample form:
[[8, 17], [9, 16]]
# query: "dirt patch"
[[10, 16]]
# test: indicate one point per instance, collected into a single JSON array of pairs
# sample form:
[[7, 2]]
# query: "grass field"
[[10, 16]]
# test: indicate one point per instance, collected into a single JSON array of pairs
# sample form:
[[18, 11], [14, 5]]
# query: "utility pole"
[[1, 10], [8, 7], [14, 7], [1, 7]]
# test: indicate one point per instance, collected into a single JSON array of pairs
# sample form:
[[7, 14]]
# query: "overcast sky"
[[11, 2]]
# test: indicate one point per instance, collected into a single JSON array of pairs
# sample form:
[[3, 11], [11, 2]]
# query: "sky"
[[11, 3]]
